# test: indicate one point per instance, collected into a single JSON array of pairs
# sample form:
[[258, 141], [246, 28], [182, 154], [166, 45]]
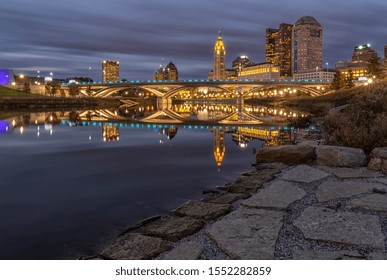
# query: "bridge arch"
[[175, 91], [313, 92], [110, 91]]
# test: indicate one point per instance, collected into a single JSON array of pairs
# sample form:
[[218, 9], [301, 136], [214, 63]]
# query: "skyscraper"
[[169, 73], [219, 59], [362, 53], [271, 37], [240, 62], [110, 71], [284, 49], [279, 48], [307, 45]]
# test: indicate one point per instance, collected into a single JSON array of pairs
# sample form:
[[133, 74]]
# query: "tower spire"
[[219, 59]]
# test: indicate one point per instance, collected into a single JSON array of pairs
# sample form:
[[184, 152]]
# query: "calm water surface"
[[64, 190]]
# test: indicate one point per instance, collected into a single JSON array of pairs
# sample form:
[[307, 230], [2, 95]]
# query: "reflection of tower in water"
[[170, 132], [110, 133], [219, 146]]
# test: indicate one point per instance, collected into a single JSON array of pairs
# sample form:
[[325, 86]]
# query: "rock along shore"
[[301, 202]]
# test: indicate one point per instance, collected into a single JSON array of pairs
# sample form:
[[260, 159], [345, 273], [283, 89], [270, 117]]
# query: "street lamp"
[[327, 70], [89, 74]]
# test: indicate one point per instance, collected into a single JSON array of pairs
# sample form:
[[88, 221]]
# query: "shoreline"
[[249, 211]]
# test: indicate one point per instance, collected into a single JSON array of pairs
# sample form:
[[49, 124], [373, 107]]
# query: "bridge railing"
[[194, 81]]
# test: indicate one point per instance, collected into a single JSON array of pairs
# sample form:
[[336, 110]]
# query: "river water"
[[71, 183]]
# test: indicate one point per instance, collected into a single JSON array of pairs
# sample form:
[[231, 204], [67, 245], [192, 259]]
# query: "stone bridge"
[[232, 88]]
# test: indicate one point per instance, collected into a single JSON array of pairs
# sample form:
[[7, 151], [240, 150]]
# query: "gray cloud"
[[70, 36]]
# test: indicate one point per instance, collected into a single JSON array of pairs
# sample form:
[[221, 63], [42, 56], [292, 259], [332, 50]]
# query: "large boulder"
[[340, 156], [379, 153], [286, 154], [378, 161]]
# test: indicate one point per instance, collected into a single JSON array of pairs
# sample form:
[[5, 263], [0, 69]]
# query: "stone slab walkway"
[[274, 212]]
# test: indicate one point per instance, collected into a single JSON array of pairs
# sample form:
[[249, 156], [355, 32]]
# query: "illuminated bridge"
[[203, 88]]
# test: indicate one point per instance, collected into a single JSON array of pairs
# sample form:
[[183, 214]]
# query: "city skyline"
[[68, 38]]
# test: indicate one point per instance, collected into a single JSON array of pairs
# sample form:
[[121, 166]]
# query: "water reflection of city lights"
[[21, 130]]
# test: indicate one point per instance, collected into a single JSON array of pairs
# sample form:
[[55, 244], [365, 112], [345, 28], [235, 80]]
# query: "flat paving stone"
[[351, 173], [382, 180], [173, 229], [304, 174], [185, 251], [250, 184], [280, 194], [376, 202], [331, 189], [226, 198], [319, 223], [336, 255], [135, 247], [247, 233], [202, 210]]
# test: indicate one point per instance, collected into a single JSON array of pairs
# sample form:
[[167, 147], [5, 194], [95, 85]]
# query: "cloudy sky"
[[68, 37]]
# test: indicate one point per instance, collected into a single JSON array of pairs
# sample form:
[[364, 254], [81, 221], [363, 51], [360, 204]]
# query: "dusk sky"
[[68, 37]]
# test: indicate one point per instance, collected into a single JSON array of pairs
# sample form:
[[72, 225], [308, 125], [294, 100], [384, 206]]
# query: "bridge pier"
[[240, 102], [164, 103]]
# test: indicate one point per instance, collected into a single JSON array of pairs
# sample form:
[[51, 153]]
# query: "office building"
[[284, 49], [306, 45], [261, 71], [241, 62], [362, 53], [169, 73], [279, 48], [271, 37], [320, 74], [110, 71], [358, 72]]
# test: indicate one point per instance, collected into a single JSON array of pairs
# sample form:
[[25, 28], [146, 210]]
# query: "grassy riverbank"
[[13, 100], [9, 92]]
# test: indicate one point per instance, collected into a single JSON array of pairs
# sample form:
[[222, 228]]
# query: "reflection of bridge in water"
[[204, 88], [191, 112], [241, 135]]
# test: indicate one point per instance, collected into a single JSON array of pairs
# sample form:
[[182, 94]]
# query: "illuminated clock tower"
[[219, 59]]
